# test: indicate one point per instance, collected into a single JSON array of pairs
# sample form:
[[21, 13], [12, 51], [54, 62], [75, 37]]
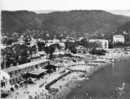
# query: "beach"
[[83, 73], [102, 84], [73, 81]]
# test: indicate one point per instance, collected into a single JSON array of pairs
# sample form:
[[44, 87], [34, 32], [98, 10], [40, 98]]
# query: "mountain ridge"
[[72, 23]]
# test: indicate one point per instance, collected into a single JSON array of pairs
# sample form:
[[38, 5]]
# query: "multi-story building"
[[118, 39], [16, 72], [100, 43]]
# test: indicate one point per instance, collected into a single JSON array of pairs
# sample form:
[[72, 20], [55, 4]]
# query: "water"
[[103, 83]]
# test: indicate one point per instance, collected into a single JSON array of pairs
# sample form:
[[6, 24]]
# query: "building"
[[81, 49], [16, 72], [4, 80], [118, 39], [127, 48], [100, 43], [54, 41]]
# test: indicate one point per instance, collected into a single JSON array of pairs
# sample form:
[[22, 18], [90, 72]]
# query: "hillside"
[[125, 27], [18, 21], [75, 23]]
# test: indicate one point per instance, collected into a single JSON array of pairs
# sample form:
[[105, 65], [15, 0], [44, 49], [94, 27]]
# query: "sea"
[[104, 83]]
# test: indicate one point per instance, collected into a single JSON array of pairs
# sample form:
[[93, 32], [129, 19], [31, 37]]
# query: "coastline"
[[73, 80], [73, 84], [103, 83]]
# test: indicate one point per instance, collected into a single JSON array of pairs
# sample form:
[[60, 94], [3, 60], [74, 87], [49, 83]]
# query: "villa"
[[118, 39]]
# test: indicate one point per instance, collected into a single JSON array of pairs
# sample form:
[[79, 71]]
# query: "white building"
[[101, 43], [118, 39], [16, 72], [54, 41]]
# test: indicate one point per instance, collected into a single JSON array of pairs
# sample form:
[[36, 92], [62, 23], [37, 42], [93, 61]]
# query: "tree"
[[84, 42], [110, 44], [9, 57], [92, 44], [73, 50], [50, 68], [97, 51], [49, 50], [8, 40], [71, 46], [21, 53], [41, 45]]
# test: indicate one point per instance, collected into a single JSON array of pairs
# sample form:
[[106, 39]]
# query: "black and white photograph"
[[65, 49]]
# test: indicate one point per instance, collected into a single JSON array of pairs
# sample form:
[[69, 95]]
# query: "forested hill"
[[74, 23]]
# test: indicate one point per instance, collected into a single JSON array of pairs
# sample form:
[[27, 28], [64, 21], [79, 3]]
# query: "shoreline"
[[102, 80], [66, 84], [75, 84]]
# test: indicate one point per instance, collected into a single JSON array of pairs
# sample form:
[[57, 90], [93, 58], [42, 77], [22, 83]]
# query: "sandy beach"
[[109, 59], [80, 72], [97, 84]]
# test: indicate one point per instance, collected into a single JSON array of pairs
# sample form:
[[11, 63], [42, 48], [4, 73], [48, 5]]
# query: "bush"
[[97, 51]]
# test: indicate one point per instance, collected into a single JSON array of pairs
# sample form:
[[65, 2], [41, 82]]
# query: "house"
[[118, 39], [100, 43]]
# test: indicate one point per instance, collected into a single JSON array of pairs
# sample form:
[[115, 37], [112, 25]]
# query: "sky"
[[114, 6]]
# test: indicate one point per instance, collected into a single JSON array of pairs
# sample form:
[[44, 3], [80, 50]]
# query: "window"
[[36, 66], [10, 81], [10, 73]]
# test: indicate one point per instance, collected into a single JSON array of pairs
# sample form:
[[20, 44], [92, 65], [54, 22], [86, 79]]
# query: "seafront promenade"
[[64, 81]]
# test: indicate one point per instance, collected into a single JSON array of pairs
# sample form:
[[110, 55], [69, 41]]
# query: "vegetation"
[[85, 23], [41, 45], [50, 50], [16, 54], [50, 68], [97, 51], [71, 46], [93, 23]]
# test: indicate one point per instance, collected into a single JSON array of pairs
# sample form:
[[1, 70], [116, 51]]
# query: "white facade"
[[101, 43], [54, 41], [118, 39]]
